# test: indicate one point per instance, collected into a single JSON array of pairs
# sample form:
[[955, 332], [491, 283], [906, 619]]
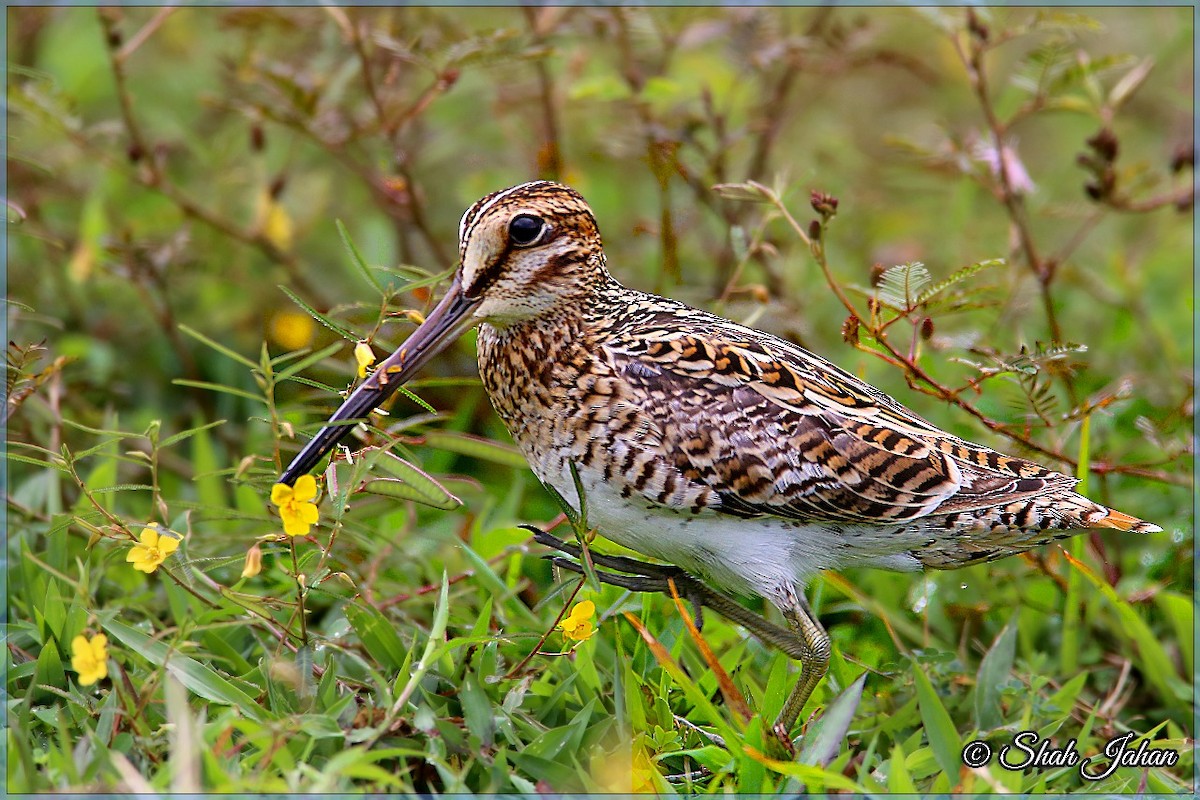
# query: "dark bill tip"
[[448, 320]]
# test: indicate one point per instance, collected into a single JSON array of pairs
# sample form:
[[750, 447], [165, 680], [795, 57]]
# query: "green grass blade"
[[825, 738], [939, 728], [378, 635], [1073, 601], [993, 671], [200, 679]]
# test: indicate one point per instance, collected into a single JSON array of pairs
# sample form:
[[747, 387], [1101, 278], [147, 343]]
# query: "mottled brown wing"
[[773, 429]]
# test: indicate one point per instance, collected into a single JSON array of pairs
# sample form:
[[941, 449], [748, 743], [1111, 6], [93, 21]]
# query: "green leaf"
[[220, 348], [404, 390], [818, 777], [825, 738], [413, 484], [899, 780], [402, 491], [1180, 612], [306, 362], [939, 728], [49, 670], [933, 291], [899, 287], [200, 679], [356, 257], [477, 710], [210, 487], [220, 389], [345, 333], [190, 432], [378, 635], [476, 447], [993, 671], [33, 462]]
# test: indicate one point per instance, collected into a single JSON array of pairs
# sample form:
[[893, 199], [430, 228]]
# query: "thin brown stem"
[[368, 79], [152, 176], [550, 161]]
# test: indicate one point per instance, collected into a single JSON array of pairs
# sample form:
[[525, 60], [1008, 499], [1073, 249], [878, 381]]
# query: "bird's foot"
[[780, 741], [627, 573]]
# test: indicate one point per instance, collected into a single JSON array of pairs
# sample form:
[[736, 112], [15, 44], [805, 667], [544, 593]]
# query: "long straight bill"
[[448, 320]]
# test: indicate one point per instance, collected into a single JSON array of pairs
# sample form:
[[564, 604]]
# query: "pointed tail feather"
[[1124, 522]]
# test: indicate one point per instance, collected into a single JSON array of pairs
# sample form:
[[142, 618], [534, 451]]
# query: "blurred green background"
[[176, 180]]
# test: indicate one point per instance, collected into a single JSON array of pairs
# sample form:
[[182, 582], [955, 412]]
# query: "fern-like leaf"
[[936, 289], [900, 287]]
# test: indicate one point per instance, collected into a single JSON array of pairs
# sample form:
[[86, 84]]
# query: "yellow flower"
[[627, 770], [90, 659], [154, 549], [253, 564], [296, 506], [292, 330], [578, 624], [364, 356], [274, 224]]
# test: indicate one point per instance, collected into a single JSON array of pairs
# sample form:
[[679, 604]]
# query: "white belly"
[[768, 556]]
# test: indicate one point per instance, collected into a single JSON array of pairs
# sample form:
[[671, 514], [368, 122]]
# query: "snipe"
[[743, 460]]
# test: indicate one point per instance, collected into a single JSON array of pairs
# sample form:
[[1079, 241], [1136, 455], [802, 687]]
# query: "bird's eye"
[[525, 229]]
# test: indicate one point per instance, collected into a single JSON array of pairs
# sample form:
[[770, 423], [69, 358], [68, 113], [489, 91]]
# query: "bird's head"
[[526, 249], [525, 252]]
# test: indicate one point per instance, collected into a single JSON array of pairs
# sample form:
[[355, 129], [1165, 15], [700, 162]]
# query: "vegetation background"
[[186, 185]]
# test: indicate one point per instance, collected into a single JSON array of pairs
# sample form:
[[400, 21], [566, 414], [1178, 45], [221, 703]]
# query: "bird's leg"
[[813, 657], [804, 639]]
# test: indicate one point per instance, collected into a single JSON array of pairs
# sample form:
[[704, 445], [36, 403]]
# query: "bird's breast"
[[563, 403]]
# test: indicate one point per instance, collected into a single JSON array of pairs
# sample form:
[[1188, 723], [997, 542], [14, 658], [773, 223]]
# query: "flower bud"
[[824, 204], [877, 270], [850, 329], [253, 564], [1104, 143]]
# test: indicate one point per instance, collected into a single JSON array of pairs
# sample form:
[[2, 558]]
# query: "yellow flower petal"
[[100, 646], [79, 645], [295, 527], [167, 545], [364, 356], [578, 624], [305, 489], [90, 659], [281, 493], [308, 514], [144, 560]]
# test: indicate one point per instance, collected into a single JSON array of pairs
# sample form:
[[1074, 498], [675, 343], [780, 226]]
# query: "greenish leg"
[[804, 639], [814, 649]]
